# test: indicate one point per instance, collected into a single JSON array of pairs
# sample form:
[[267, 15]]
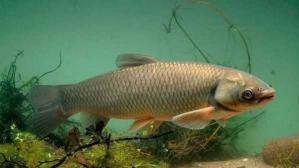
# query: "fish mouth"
[[267, 95]]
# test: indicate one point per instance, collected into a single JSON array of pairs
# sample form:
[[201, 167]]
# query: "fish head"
[[239, 91]]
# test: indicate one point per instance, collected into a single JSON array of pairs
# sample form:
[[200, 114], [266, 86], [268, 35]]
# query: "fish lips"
[[266, 96]]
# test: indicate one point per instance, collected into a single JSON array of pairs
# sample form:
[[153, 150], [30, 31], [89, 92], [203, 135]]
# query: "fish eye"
[[247, 95]]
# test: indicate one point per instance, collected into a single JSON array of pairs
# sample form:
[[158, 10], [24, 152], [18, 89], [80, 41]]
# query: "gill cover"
[[228, 89], [239, 91]]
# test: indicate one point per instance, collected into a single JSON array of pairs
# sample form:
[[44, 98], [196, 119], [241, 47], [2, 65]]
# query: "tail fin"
[[49, 112]]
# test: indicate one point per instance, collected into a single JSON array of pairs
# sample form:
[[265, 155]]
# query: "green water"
[[90, 35]]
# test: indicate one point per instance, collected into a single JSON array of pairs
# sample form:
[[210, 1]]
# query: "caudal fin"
[[48, 110]]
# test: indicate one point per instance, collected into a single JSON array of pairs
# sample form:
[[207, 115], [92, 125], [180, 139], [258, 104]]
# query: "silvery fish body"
[[146, 90], [158, 90]]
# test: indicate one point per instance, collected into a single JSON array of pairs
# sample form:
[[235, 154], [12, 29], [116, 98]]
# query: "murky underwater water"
[[89, 35]]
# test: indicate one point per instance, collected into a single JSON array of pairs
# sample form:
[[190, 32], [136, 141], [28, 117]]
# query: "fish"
[[150, 92]]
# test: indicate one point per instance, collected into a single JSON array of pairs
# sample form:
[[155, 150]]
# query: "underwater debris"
[[200, 143], [282, 152], [58, 136], [96, 128], [73, 139], [184, 145]]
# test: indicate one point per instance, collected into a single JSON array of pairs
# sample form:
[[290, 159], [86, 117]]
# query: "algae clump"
[[283, 152], [13, 105], [29, 151]]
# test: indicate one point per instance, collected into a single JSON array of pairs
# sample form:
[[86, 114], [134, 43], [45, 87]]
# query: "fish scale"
[[152, 89]]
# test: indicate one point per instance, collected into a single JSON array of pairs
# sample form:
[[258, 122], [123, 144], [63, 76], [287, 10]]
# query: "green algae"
[[29, 151], [13, 107]]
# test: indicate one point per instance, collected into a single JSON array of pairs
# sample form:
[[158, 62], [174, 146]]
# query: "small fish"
[[151, 92]]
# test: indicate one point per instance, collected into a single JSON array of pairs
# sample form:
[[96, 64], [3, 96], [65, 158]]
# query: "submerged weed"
[[29, 151]]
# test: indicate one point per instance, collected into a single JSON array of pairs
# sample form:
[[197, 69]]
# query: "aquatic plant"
[[231, 27], [282, 152], [168, 29], [98, 137], [103, 151], [184, 145], [14, 106]]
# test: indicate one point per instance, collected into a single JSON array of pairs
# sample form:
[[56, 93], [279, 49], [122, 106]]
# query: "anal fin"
[[138, 124]]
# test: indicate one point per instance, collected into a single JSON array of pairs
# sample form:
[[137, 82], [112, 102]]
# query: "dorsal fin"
[[131, 60]]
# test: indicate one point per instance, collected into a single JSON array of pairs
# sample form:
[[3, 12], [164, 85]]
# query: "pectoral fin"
[[138, 124], [197, 119]]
